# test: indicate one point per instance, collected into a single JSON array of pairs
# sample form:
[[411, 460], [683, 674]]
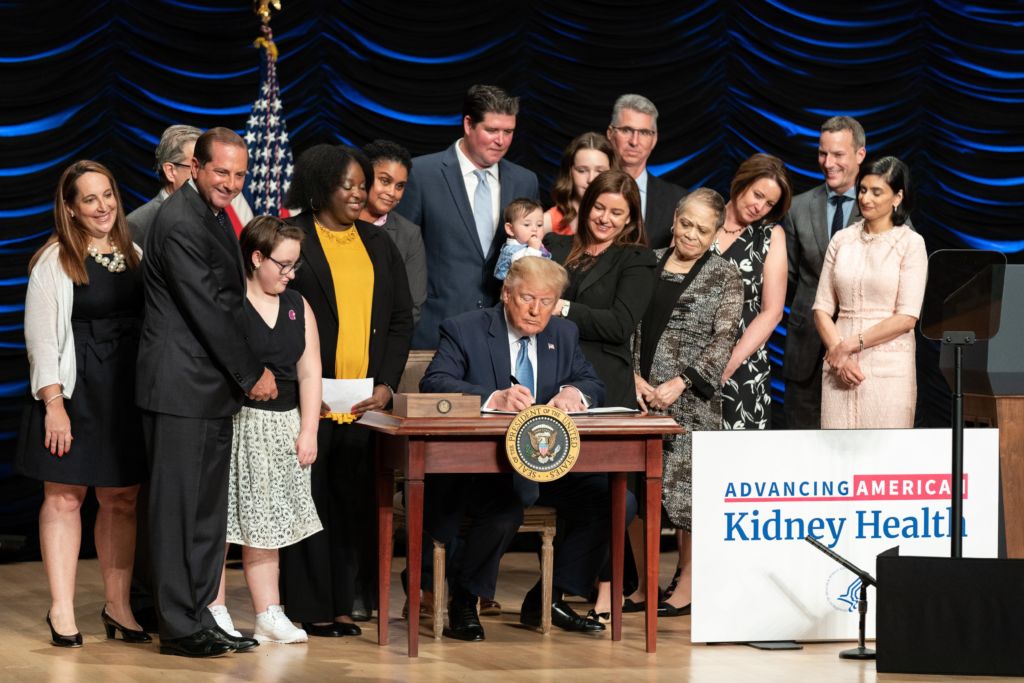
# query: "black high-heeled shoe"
[[671, 587], [127, 634], [63, 641]]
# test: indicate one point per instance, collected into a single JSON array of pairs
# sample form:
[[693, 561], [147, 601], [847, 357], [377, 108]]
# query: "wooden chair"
[[536, 519]]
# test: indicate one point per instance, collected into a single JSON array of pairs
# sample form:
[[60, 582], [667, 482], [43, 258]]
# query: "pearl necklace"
[[114, 263]]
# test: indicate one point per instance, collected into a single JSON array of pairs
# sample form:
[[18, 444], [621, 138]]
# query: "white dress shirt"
[[531, 352], [641, 183]]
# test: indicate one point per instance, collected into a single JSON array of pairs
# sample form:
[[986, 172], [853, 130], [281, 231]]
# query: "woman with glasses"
[[355, 282], [274, 442]]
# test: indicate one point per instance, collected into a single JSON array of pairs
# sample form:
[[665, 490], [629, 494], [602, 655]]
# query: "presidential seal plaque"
[[542, 443]]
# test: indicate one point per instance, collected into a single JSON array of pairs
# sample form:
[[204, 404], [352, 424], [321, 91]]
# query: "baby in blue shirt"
[[524, 225]]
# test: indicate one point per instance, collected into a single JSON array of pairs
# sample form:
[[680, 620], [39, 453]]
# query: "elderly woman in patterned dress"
[[680, 350]]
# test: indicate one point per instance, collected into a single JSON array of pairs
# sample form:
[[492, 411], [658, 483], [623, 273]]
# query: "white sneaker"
[[274, 626], [223, 619]]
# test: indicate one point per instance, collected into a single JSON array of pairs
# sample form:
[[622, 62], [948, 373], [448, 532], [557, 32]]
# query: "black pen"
[[515, 382]]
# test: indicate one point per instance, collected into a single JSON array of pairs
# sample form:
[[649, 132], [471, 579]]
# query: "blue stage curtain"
[[102, 79]]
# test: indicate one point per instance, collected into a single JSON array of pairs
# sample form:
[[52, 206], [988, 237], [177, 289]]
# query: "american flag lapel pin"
[[551, 347]]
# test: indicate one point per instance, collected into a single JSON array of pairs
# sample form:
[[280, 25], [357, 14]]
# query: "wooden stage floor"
[[510, 653]]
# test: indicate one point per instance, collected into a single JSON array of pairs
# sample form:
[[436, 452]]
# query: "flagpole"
[[266, 132]]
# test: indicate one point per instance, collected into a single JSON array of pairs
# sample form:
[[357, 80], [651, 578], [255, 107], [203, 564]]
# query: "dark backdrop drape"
[[938, 83]]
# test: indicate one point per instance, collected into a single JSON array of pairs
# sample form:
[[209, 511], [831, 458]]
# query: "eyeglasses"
[[286, 267], [629, 131]]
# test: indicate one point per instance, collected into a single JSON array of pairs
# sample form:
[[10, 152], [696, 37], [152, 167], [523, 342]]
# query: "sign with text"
[[756, 495]]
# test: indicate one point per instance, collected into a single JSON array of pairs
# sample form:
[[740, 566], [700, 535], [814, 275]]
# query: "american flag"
[[266, 134]]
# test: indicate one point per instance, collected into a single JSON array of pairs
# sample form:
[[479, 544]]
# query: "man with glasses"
[[481, 353], [633, 133], [174, 168]]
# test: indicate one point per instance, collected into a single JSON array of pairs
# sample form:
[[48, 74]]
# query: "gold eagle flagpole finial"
[[266, 41]]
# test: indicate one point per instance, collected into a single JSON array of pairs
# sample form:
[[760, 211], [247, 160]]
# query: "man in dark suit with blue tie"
[[456, 197], [813, 218], [480, 353]]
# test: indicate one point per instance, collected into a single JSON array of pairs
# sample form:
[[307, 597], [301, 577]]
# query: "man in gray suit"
[[633, 133], [174, 168], [813, 218], [456, 197]]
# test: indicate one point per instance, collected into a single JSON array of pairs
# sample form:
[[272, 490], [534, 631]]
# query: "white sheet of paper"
[[341, 394]]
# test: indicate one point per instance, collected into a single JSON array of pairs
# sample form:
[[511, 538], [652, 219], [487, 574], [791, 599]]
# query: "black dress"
[[107, 449]]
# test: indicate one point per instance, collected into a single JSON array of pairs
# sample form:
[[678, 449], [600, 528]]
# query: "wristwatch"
[[687, 383], [565, 309]]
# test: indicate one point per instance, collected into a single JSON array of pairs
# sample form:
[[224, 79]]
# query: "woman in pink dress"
[[874, 276]]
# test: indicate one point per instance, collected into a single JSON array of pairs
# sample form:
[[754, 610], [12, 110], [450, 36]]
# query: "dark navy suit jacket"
[[473, 358], [460, 275]]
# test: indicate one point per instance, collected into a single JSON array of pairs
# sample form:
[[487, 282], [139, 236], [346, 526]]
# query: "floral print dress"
[[747, 396]]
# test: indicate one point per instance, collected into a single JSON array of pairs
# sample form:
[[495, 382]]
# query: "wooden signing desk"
[[616, 444]]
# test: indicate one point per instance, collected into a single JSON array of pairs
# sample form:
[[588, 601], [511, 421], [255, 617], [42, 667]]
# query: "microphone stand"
[[958, 340], [859, 652]]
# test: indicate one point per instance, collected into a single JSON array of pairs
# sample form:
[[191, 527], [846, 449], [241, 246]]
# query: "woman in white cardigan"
[[82, 317]]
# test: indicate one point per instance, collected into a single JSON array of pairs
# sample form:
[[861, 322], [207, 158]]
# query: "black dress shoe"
[[238, 644], [667, 610], [60, 640], [336, 629], [564, 617], [128, 634], [205, 643], [463, 623], [629, 607]]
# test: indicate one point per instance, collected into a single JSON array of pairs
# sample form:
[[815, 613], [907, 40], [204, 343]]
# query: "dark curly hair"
[[318, 173], [386, 150]]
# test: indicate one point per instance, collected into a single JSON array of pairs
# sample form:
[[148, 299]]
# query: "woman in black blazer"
[[323, 576], [611, 281]]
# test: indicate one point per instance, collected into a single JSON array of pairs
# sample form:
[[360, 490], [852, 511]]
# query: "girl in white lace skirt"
[[274, 442]]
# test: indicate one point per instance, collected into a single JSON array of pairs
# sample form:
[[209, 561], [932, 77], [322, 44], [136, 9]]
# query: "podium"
[[993, 377], [616, 444]]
